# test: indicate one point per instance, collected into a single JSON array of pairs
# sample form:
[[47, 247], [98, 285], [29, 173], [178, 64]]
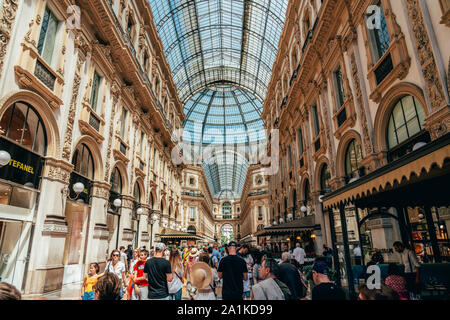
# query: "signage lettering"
[[21, 166]]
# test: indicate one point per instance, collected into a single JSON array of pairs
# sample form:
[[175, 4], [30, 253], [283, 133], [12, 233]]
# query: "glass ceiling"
[[221, 54]]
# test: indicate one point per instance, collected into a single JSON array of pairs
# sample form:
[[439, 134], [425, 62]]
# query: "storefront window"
[[421, 237], [20, 123]]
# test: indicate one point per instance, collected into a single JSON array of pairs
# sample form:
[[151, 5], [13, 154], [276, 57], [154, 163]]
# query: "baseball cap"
[[320, 267], [232, 244], [159, 246]]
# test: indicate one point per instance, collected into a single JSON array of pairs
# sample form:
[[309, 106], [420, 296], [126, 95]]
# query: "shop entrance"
[[76, 241], [14, 241]]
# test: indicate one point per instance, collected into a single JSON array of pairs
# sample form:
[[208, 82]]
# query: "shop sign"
[[85, 195], [24, 167]]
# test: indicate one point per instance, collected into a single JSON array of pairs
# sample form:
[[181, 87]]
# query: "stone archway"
[[227, 233]]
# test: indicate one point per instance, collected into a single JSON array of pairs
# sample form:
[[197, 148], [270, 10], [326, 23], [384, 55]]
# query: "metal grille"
[[94, 122], [43, 74], [384, 69], [123, 148], [341, 117], [317, 145]]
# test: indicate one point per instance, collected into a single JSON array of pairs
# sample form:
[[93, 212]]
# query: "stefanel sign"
[[24, 167]]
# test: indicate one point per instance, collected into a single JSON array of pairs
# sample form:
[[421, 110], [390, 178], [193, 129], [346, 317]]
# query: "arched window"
[[116, 181], [325, 179], [405, 124], [307, 195], [137, 193], [23, 125], [353, 159], [226, 210], [152, 201], [192, 230], [83, 162]]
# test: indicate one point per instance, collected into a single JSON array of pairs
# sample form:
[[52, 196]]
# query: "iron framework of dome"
[[221, 54]]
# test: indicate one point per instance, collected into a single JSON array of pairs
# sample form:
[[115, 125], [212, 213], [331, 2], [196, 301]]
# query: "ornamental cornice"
[[57, 170]]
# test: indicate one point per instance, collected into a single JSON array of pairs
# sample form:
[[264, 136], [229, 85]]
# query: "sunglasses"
[[115, 255]]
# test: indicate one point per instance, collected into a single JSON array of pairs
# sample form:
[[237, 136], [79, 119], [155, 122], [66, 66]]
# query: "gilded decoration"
[[7, 18], [67, 148], [360, 103], [433, 83], [57, 170]]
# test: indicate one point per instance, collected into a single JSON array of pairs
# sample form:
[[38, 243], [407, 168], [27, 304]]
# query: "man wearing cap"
[[233, 270], [158, 272], [325, 289]]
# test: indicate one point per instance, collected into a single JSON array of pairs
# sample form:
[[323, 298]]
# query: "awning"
[[426, 166], [302, 224], [173, 234]]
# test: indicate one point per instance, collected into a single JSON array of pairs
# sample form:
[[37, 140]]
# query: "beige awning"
[[302, 224], [416, 164]]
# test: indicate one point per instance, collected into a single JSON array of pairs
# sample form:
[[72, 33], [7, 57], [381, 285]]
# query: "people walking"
[[299, 255], [325, 289], [384, 293], [412, 266], [140, 291], [396, 281], [233, 270], [89, 282], [123, 257], [176, 285], [9, 292], [204, 278], [290, 275], [245, 254], [158, 272], [117, 267], [270, 288], [108, 287]]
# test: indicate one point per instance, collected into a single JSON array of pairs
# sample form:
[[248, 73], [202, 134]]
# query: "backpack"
[[284, 288]]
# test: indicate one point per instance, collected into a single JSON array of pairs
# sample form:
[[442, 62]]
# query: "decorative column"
[[144, 239], [46, 269], [7, 18], [438, 122], [125, 232], [97, 244]]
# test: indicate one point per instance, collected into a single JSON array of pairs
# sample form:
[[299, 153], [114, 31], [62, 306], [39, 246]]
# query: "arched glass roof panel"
[[221, 54], [215, 40]]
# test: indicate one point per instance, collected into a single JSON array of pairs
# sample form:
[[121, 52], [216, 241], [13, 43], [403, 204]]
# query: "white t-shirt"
[[299, 255], [357, 251], [119, 268], [409, 260]]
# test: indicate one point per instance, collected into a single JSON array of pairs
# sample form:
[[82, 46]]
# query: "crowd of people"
[[228, 272]]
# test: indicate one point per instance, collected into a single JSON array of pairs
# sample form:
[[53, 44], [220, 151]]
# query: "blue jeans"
[[176, 296]]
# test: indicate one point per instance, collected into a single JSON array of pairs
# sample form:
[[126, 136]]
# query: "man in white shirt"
[[299, 255], [357, 254], [412, 266]]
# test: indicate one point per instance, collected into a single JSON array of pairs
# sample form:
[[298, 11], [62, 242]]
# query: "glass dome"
[[221, 54], [223, 115]]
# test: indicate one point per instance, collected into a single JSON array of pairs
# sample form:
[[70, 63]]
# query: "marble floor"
[[70, 292]]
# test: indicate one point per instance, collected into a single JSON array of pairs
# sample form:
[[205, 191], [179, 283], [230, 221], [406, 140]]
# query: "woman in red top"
[[396, 281], [140, 283]]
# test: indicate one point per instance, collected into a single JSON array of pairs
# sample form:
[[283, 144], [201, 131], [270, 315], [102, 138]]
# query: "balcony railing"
[[144, 76], [94, 122], [193, 194], [257, 193], [384, 69], [42, 73]]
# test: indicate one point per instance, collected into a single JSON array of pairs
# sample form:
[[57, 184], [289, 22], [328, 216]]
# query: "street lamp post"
[[118, 203]]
